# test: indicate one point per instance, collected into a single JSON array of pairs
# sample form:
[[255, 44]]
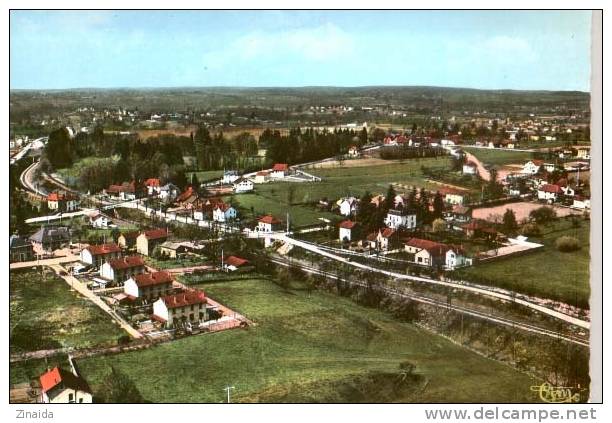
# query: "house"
[[348, 206], [435, 254], [549, 192], [96, 255], [179, 309], [187, 197], [581, 202], [268, 224], [551, 167], [400, 201], [452, 196], [459, 213], [396, 219], [378, 200], [354, 152], [51, 238], [127, 239], [169, 192], [262, 177], [478, 229], [224, 213], [469, 168], [148, 240], [532, 167], [148, 286], [583, 152], [347, 230], [153, 186], [126, 191], [62, 202], [230, 176], [98, 220], [172, 249], [381, 240], [279, 170], [120, 269], [243, 185], [21, 249], [60, 386], [233, 263]]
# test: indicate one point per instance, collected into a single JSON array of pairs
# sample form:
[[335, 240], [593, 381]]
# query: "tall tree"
[[438, 206], [509, 222], [118, 388]]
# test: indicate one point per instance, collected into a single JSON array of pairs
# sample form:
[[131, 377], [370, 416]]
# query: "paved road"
[[511, 297], [44, 262], [426, 300], [27, 180], [482, 171]]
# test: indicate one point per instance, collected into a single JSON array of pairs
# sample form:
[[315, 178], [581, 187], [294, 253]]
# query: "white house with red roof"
[[397, 218], [153, 186], [381, 240], [224, 212], [243, 185], [63, 201], [268, 223], [435, 254], [98, 220], [262, 177], [120, 269], [348, 206], [149, 286], [580, 202], [549, 192], [179, 309], [125, 191], [346, 230], [59, 386], [279, 170], [354, 152], [469, 168], [234, 263], [96, 255], [148, 240]]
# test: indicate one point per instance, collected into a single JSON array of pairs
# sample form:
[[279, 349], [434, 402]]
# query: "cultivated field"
[[521, 211], [45, 314], [311, 347], [545, 272], [497, 157]]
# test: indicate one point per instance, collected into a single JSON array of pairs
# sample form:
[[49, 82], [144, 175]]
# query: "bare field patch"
[[521, 211]]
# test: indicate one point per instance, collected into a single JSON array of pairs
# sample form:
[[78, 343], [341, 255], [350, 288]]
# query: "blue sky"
[[489, 50]]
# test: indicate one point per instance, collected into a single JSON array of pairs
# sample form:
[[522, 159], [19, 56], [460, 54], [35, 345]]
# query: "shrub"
[[530, 229], [567, 243]]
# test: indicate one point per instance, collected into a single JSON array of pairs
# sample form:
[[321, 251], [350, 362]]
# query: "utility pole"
[[228, 390]]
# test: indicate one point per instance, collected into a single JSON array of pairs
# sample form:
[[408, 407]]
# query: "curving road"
[[27, 180]]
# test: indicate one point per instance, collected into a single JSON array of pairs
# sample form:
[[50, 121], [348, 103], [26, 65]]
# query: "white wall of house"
[[454, 198], [222, 216], [280, 174], [423, 257], [130, 288], [67, 396], [530, 168], [107, 272], [395, 221], [99, 222], [160, 309], [86, 257], [544, 195], [347, 208], [264, 227], [345, 234], [245, 185]]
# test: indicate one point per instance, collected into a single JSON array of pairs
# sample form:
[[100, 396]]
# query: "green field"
[[336, 183], [314, 347], [499, 157], [546, 272], [45, 314], [24, 371]]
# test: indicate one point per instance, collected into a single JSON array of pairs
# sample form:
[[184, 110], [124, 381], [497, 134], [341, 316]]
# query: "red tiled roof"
[[150, 279], [262, 173], [56, 376], [347, 224], [126, 262], [156, 233], [97, 250], [56, 196], [185, 194], [551, 188], [269, 219], [152, 182], [422, 243], [130, 234], [387, 232], [280, 167], [125, 187], [538, 162], [235, 261], [185, 298]]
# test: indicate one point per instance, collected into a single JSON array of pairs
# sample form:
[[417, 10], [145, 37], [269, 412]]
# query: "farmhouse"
[[478, 229], [224, 213], [279, 170], [148, 240], [169, 192], [20, 249], [353, 151], [153, 186], [233, 264], [469, 168], [347, 230], [396, 219], [127, 239], [126, 191], [348, 206], [51, 238], [62, 201], [96, 255], [268, 224], [120, 269], [378, 200], [60, 386], [243, 185], [148, 286], [583, 152], [187, 307], [581, 202], [532, 167], [171, 249], [262, 177], [230, 176], [459, 213], [381, 240], [98, 220], [452, 196], [549, 192]]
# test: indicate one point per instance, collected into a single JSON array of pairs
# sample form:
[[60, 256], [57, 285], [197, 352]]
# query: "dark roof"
[[48, 234], [16, 241]]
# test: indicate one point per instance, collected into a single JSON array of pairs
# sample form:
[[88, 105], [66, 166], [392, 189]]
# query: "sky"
[[548, 50]]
